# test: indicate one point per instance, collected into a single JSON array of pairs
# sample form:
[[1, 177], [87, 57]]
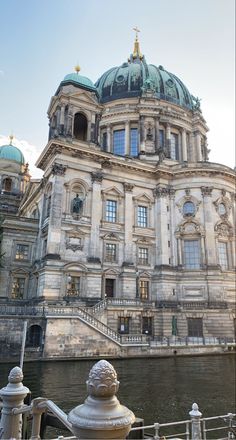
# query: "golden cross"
[[136, 30]]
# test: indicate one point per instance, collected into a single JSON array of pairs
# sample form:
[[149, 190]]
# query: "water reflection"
[[155, 389]]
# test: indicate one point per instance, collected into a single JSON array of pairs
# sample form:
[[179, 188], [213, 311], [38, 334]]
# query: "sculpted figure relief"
[[77, 204]]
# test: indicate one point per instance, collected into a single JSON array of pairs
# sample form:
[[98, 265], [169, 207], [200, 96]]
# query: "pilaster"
[[54, 228], [96, 214], [184, 146], [127, 137], [161, 195], [198, 146], [210, 244], [129, 222]]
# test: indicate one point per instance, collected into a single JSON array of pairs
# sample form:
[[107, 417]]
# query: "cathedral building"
[[129, 234]]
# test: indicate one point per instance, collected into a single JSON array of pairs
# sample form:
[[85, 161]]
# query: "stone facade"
[[130, 209]]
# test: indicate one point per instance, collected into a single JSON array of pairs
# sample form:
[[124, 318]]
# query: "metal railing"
[[162, 430]]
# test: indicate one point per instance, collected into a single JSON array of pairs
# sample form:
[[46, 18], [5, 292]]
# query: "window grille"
[[111, 211], [142, 217]]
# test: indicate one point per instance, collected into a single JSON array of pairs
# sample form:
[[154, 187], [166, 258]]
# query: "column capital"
[[58, 169], [206, 191], [163, 191], [128, 187], [97, 176]]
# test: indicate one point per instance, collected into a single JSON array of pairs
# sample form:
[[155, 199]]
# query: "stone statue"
[[77, 204]]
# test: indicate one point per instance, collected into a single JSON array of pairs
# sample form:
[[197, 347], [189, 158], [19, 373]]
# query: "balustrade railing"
[[188, 340], [98, 420]]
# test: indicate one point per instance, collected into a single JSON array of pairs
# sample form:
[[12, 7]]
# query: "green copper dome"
[[137, 78], [9, 152], [79, 80]]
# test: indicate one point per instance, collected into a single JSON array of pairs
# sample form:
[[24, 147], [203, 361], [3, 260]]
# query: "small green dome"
[[79, 80], [10, 152]]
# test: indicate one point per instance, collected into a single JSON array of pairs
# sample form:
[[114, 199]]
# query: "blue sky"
[[42, 40]]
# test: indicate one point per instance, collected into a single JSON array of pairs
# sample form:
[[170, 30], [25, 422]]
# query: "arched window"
[[80, 126], [34, 336], [7, 184]]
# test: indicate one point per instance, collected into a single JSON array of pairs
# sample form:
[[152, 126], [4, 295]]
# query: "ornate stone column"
[[156, 134], [129, 222], [62, 120], [142, 133], [96, 215], [162, 255], [210, 244], [127, 138], [198, 146], [54, 227], [184, 146], [109, 138], [168, 140], [173, 242]]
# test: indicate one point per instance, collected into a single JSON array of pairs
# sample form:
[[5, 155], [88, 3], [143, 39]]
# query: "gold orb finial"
[[11, 137], [77, 68]]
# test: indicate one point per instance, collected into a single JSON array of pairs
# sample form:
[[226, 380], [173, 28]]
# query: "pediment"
[[144, 198], [112, 191], [84, 96]]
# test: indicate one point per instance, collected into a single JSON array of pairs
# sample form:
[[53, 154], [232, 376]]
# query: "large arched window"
[[80, 126]]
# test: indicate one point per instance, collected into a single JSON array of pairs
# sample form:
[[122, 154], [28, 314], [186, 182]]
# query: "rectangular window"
[[22, 252], [161, 138], [174, 146], [191, 254], [111, 211], [109, 287], [195, 327], [119, 142], [110, 252], [142, 217], [134, 142], [18, 288], [143, 289], [146, 325], [223, 256], [123, 325], [104, 141], [74, 286], [143, 255]]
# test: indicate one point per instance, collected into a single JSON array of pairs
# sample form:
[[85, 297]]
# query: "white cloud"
[[30, 152]]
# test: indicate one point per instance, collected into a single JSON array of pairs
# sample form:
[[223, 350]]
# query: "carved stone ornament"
[[128, 187], [163, 191], [97, 176], [102, 380], [74, 247], [223, 200], [206, 191], [101, 416], [15, 375], [58, 169], [224, 230]]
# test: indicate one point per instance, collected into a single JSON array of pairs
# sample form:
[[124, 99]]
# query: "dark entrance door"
[[109, 287]]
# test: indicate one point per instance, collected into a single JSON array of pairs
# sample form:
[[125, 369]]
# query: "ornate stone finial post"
[[101, 416], [195, 415], [13, 397]]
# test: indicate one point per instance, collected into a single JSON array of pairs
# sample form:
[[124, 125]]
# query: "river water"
[[155, 389]]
